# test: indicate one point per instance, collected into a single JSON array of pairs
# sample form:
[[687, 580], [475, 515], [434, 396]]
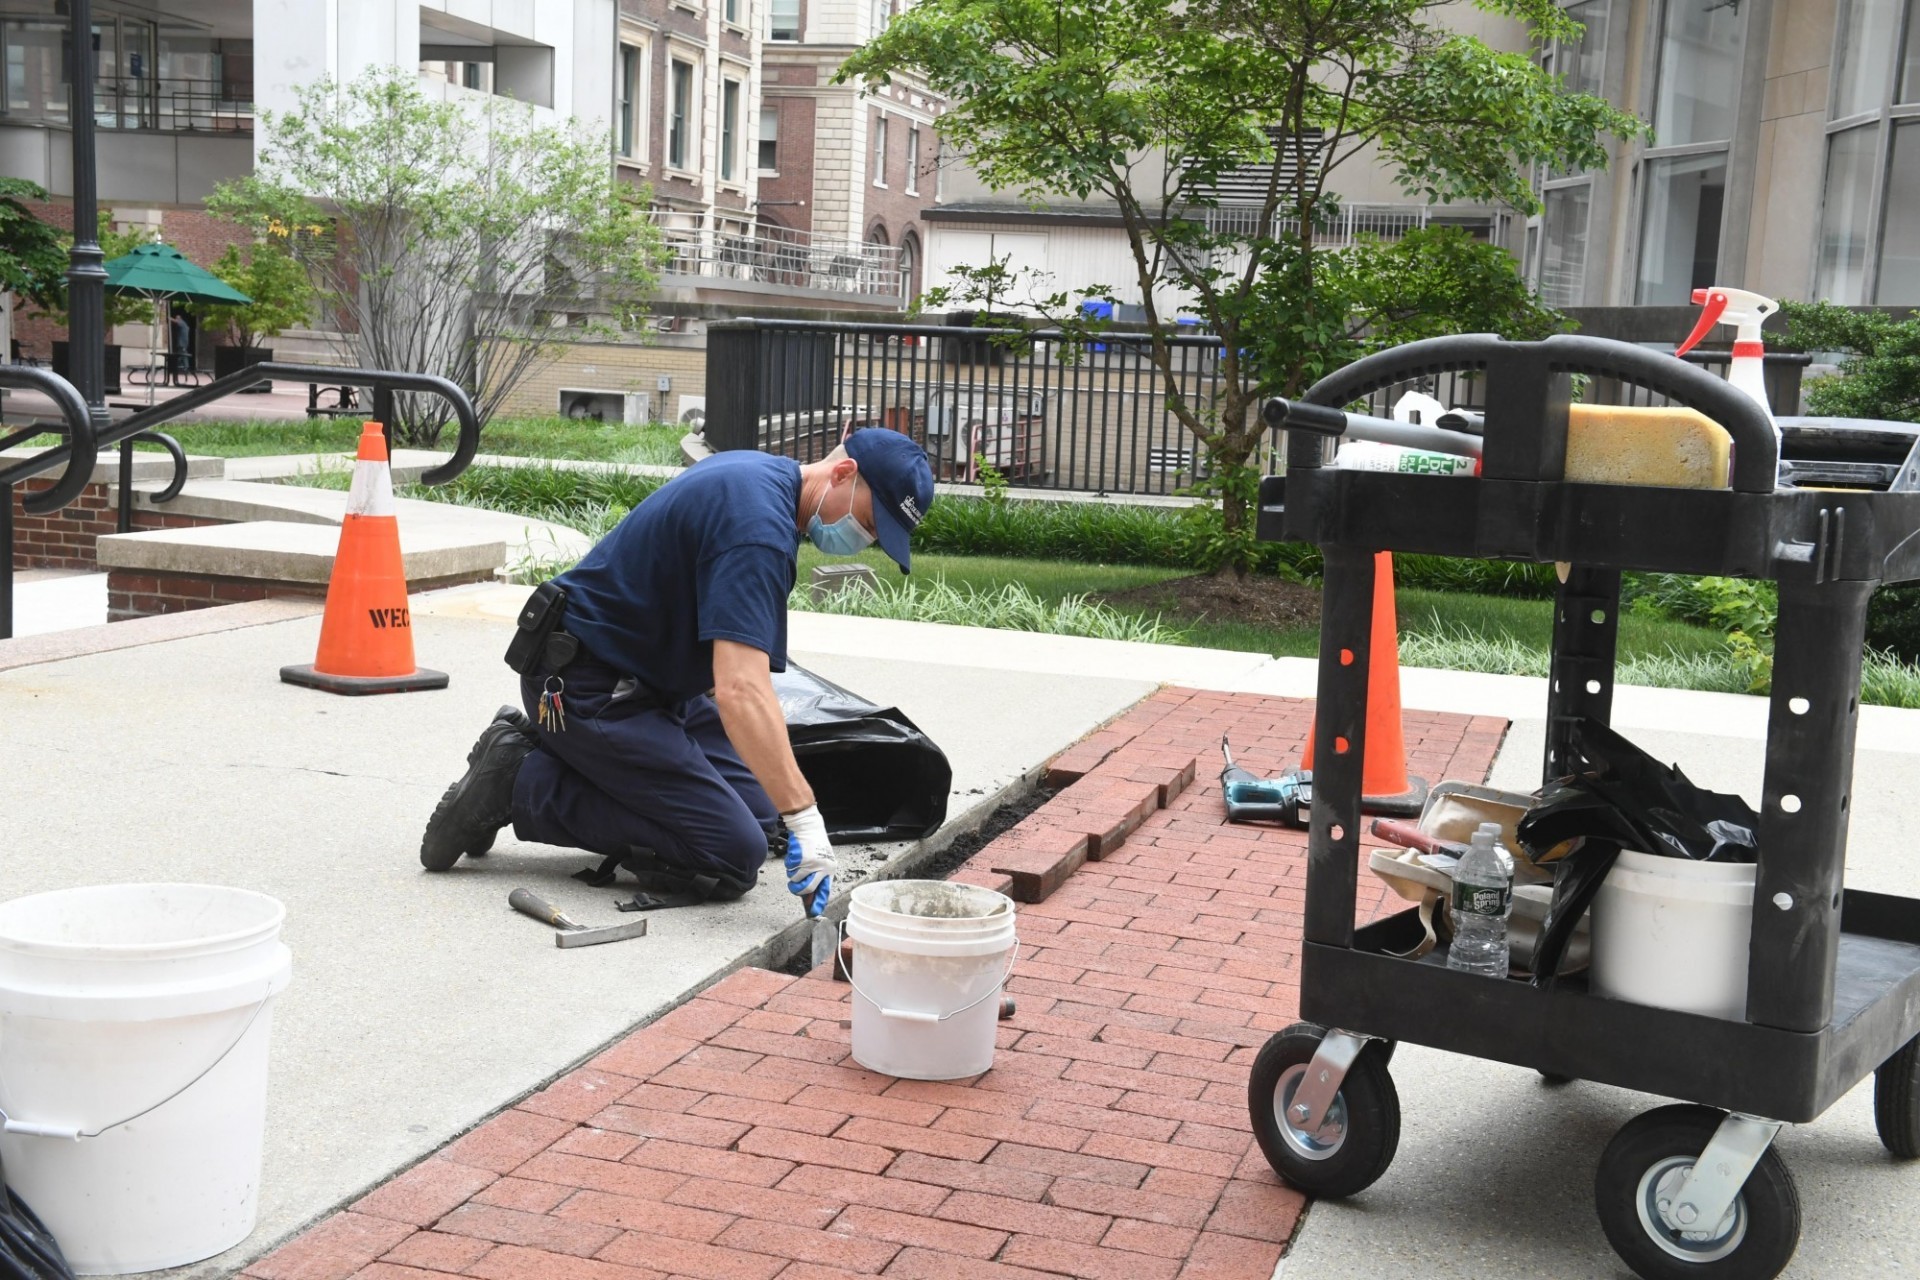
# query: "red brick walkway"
[[735, 1139]]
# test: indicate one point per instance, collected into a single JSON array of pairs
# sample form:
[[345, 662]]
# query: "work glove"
[[810, 864]]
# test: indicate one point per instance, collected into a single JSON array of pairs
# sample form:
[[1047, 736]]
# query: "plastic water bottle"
[[1482, 900]]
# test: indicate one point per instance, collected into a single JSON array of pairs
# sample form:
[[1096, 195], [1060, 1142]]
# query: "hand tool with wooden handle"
[[567, 931], [1408, 836]]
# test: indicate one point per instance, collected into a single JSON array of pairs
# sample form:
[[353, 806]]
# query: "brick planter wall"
[[134, 594], [65, 539]]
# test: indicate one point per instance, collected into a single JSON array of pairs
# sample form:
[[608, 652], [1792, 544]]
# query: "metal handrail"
[[384, 383], [80, 452]]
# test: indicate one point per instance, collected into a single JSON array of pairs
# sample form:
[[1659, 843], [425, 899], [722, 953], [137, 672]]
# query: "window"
[[632, 96], [730, 12], [729, 129], [913, 162], [1868, 249], [783, 20], [769, 159], [1683, 178], [680, 125], [1557, 240], [882, 13], [879, 151]]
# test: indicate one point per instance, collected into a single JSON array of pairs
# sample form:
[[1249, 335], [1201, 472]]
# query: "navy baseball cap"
[[896, 469]]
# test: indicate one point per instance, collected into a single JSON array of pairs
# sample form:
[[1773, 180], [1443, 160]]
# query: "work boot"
[[518, 719], [481, 802]]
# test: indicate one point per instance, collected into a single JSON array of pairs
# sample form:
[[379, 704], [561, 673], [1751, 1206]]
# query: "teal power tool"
[[1284, 799]]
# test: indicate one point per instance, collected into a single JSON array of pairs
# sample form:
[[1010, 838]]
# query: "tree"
[[470, 242], [1149, 103], [281, 292], [121, 308], [33, 254]]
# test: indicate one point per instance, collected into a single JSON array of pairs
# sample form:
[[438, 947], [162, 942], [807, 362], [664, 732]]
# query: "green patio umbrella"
[[159, 272]]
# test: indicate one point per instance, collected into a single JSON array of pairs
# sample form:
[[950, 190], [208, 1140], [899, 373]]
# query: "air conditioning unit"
[[634, 408], [666, 324], [693, 412]]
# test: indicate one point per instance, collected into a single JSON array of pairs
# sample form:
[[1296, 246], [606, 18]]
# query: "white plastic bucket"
[[929, 959], [1673, 933], [138, 1013]]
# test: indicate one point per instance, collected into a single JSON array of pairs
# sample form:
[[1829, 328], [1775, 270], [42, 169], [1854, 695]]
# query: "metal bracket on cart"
[[1705, 1194], [1314, 1098]]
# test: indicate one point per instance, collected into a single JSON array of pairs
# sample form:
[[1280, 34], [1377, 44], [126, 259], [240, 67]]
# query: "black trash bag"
[[874, 775], [28, 1250], [1622, 798]]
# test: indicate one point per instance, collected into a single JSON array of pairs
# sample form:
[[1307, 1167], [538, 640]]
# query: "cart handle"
[[1755, 448]]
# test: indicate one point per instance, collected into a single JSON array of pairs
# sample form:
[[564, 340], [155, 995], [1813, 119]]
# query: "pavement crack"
[[301, 768]]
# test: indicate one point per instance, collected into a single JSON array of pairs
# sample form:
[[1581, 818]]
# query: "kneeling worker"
[[659, 739]]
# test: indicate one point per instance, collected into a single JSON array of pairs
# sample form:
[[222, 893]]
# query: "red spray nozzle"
[[1715, 303]]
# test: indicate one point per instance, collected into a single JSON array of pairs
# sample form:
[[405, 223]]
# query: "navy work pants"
[[627, 773]]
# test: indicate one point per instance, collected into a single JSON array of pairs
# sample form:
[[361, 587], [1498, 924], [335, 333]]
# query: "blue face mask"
[[844, 537]]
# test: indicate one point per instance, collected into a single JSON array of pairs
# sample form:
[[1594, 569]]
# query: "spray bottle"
[[1746, 312]]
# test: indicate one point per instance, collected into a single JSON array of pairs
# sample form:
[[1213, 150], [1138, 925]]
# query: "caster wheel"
[[1645, 1163], [1896, 1101], [1350, 1151]]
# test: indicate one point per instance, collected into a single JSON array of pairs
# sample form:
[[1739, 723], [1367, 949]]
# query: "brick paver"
[[736, 1139]]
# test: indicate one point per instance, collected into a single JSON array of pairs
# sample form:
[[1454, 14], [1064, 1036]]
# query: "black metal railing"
[[137, 428], [1044, 409], [77, 457]]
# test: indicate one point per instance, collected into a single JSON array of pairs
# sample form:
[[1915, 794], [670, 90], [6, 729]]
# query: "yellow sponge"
[[1671, 448]]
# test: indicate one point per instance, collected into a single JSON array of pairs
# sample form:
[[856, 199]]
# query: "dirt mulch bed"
[[1258, 600]]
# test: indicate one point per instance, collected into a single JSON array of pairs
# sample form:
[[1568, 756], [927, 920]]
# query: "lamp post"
[[86, 274]]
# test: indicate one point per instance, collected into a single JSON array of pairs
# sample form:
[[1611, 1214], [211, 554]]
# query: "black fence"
[[1040, 408]]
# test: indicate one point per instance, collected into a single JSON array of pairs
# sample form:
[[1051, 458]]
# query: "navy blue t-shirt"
[[711, 556]]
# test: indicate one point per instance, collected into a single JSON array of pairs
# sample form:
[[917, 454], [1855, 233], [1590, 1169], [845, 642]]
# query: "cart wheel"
[[1647, 1160], [1896, 1101], [1356, 1144]]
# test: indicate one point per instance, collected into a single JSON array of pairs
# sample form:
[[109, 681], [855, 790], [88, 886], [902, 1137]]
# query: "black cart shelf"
[[1834, 974]]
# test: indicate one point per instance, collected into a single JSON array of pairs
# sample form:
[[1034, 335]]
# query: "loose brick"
[[748, 1085], [684, 1258], [1068, 1164], [511, 1262], [997, 1128], [886, 1106], [1230, 1258], [1002, 1213], [981, 1097], [1146, 1204], [507, 1141], [934, 1142], [1039, 860], [702, 1131], [748, 988], [334, 1250], [968, 1175], [1089, 1261], [925, 1264], [534, 1230], [634, 1214], [824, 1248], [997, 881], [1104, 1119], [579, 1095], [524, 1194], [764, 1203], [927, 1233], [434, 1251], [1259, 1211], [616, 1177], [699, 1019], [801, 1148], [645, 1053], [893, 1194], [1150, 1237], [704, 1162], [425, 1193], [774, 1115], [597, 1144], [1160, 1154]]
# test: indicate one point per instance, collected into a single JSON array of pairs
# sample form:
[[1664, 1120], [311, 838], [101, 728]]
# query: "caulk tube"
[[1746, 312], [1370, 455], [1291, 415]]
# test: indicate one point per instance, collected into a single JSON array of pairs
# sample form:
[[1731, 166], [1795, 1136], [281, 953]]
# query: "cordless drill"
[[1249, 799]]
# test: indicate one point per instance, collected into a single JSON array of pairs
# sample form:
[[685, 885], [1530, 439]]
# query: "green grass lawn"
[[517, 437]]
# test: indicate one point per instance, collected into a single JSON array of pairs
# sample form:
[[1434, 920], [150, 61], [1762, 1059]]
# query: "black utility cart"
[[1833, 989]]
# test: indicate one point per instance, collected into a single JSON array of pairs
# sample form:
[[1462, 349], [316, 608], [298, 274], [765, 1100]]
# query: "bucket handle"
[[73, 1133], [912, 1015]]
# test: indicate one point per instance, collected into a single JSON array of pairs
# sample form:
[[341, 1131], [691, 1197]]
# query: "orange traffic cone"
[[366, 637], [1385, 786]]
